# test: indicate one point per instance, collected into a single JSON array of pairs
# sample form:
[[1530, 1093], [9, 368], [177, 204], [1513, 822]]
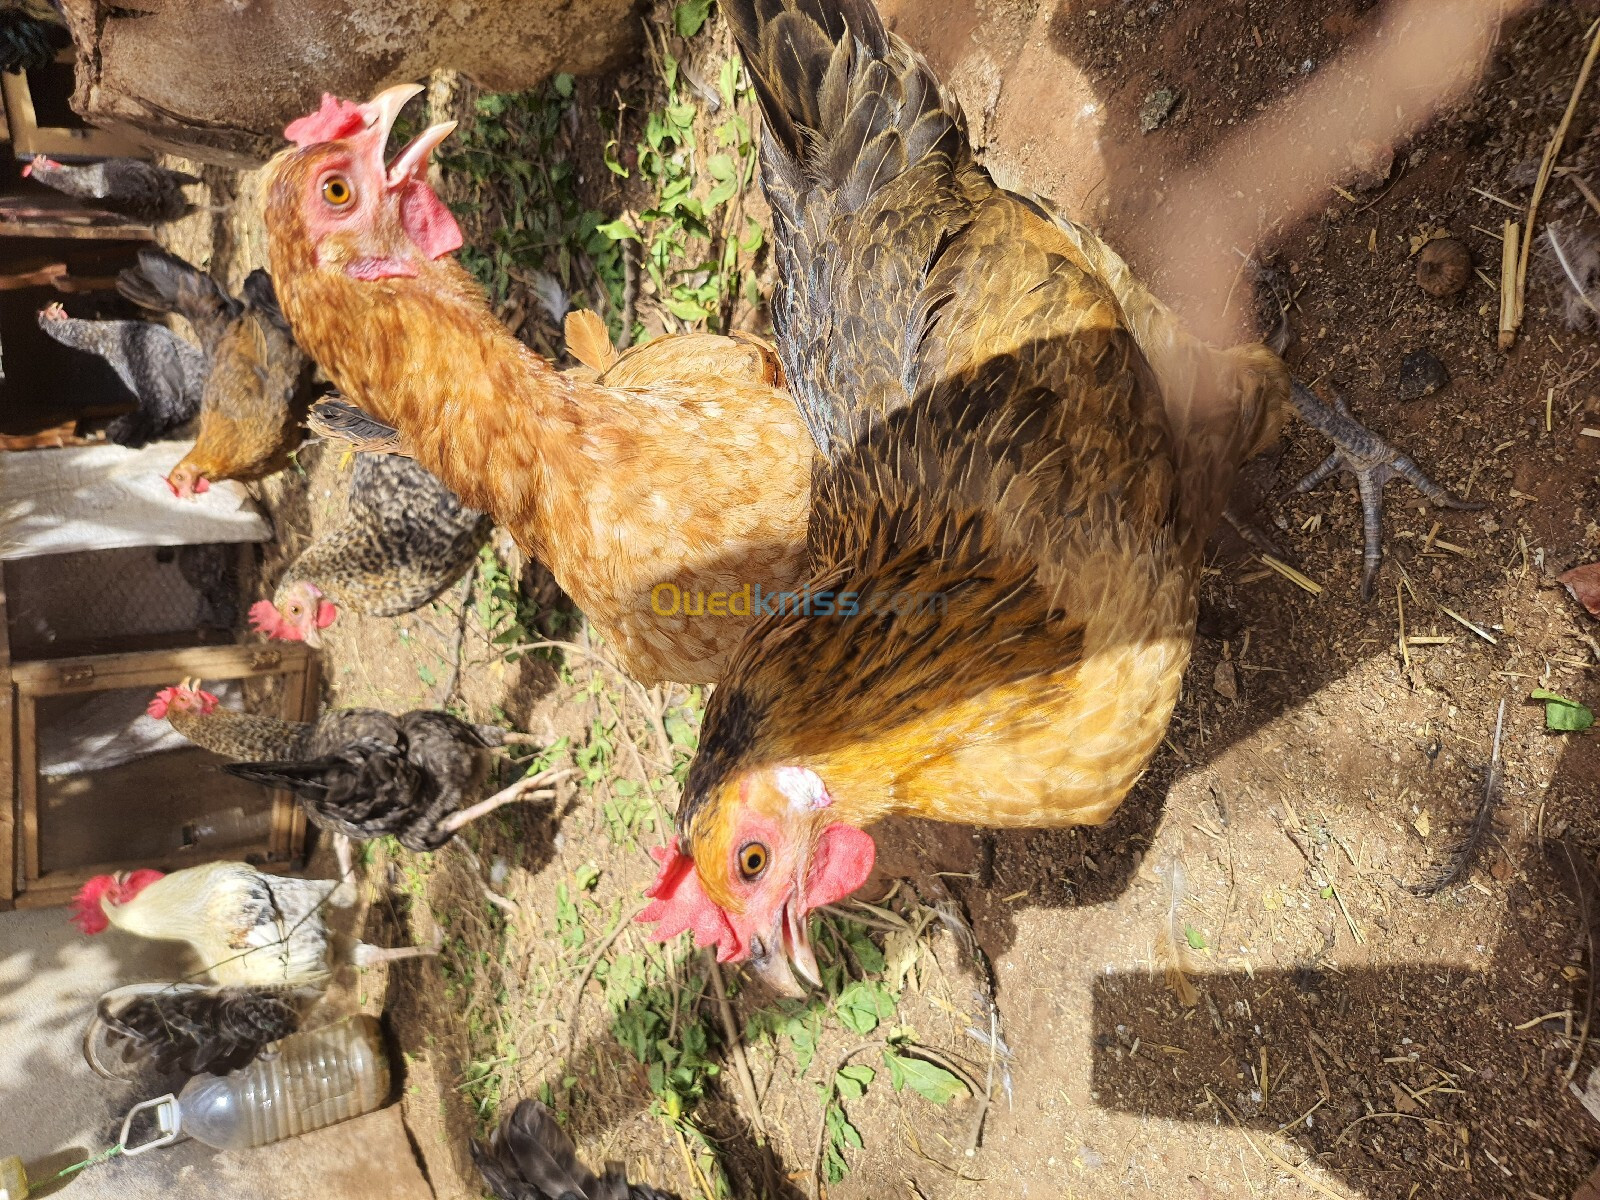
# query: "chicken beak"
[[412, 162], [384, 109], [311, 635], [784, 960]]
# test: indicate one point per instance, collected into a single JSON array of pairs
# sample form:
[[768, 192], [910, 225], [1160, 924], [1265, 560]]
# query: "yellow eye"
[[752, 860], [336, 191]]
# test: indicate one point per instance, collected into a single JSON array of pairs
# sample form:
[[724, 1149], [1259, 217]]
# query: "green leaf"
[[685, 310], [863, 1004], [618, 230], [426, 676], [853, 1081], [1562, 714], [689, 16], [930, 1082], [1196, 939], [586, 877], [563, 86]]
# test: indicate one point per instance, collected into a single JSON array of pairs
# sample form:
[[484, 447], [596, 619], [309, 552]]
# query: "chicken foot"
[[530, 787], [1374, 462], [371, 956]]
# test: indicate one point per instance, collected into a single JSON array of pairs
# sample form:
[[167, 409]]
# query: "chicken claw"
[[1361, 453]]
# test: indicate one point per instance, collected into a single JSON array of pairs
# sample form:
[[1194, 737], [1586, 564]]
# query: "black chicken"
[[359, 772], [128, 187], [530, 1157], [166, 374]]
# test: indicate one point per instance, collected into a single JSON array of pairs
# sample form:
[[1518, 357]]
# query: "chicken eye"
[[752, 860], [336, 191], [294, 610]]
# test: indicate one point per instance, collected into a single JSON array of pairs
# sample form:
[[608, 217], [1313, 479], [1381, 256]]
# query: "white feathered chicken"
[[266, 957]]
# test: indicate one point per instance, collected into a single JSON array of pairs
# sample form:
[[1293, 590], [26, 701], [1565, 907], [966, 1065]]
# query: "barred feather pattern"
[[404, 539]]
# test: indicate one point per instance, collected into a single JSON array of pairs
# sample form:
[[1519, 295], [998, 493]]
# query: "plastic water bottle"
[[306, 1081]]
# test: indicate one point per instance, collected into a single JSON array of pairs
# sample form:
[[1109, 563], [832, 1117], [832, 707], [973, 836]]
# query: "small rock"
[[1157, 107], [1421, 374], [1444, 267], [1225, 681], [1370, 165]]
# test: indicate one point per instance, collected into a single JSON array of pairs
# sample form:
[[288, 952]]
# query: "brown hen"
[[1009, 507], [655, 502], [257, 378]]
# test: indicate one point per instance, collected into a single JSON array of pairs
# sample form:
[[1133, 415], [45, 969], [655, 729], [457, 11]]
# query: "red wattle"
[[427, 221]]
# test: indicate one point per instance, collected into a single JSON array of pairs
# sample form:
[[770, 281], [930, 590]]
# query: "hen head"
[[185, 698], [298, 613], [41, 165], [359, 215], [186, 481], [763, 855], [89, 905]]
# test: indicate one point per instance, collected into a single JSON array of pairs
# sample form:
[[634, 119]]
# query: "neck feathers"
[[243, 737], [478, 408]]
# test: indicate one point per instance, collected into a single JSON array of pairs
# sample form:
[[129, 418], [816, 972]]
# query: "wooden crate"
[[28, 137], [23, 882]]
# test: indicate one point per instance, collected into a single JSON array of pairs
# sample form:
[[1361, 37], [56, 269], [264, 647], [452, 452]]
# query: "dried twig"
[[1546, 166], [741, 1063], [588, 971], [1578, 875], [1455, 867], [1509, 257]]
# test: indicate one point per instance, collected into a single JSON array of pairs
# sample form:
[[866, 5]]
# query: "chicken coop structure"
[[107, 594]]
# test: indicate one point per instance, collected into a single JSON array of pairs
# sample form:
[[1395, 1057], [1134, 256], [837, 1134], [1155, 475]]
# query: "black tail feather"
[[190, 1029], [340, 420], [530, 1157], [165, 283], [261, 296]]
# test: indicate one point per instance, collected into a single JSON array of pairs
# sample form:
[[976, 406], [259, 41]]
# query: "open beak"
[[412, 162], [384, 109], [784, 959]]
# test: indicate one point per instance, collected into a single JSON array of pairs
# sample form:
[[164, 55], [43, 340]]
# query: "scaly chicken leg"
[[1374, 462], [530, 787]]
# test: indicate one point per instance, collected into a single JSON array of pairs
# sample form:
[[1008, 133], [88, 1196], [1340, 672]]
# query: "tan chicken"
[[257, 379], [664, 507], [1009, 506]]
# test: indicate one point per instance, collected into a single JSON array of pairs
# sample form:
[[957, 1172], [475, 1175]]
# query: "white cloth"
[[105, 497]]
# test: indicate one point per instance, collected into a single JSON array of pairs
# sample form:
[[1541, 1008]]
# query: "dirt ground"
[[1348, 1037]]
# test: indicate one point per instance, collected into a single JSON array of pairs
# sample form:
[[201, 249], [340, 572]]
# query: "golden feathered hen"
[[1009, 506], [651, 500]]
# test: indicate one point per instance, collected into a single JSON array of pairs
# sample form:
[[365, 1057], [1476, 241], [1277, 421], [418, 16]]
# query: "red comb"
[[265, 618], [336, 119], [86, 912], [682, 904], [162, 701]]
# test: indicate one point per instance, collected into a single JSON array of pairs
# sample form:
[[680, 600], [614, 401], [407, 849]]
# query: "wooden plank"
[[300, 693], [65, 229], [28, 137], [28, 784], [10, 846], [157, 668], [59, 887]]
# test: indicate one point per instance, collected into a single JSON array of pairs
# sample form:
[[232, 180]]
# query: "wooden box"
[[156, 811]]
